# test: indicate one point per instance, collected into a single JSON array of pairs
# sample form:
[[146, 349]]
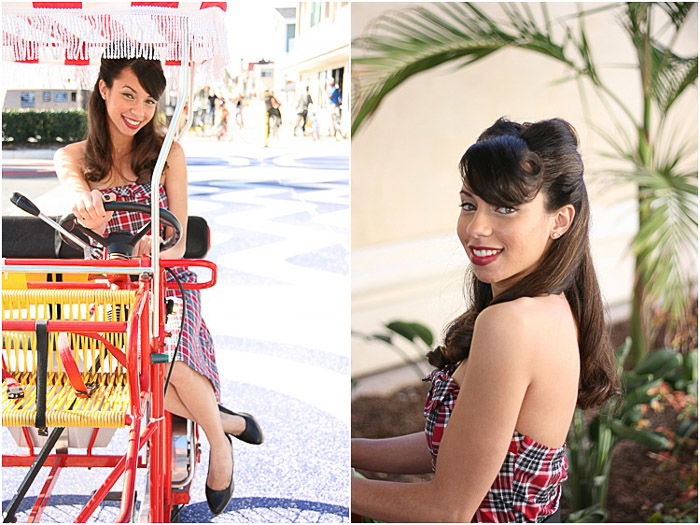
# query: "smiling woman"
[[123, 104], [496, 423], [116, 163]]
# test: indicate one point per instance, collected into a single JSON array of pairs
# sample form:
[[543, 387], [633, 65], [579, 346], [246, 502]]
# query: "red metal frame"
[[146, 385], [45, 493]]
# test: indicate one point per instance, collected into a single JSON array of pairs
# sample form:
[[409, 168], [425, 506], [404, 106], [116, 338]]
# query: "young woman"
[[513, 367], [115, 163]]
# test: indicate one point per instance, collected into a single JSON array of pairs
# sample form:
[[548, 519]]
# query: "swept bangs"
[[502, 171]]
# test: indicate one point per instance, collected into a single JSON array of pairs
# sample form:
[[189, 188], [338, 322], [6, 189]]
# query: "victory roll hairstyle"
[[508, 165]]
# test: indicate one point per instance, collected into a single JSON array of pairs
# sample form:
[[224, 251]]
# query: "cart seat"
[[25, 237], [108, 404], [106, 407]]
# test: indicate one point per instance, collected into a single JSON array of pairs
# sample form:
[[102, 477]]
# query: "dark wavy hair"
[[510, 164], [148, 140]]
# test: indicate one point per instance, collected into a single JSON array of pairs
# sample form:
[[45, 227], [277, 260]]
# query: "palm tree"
[[403, 44]]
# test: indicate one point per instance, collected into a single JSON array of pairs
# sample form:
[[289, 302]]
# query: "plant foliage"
[[43, 127]]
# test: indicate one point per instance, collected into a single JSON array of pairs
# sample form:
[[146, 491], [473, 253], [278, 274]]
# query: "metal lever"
[[25, 204]]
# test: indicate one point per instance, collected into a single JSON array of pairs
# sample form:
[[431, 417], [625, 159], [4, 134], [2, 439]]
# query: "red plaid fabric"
[[196, 344], [528, 486]]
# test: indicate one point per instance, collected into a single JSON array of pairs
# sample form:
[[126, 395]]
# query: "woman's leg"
[[234, 425], [200, 402]]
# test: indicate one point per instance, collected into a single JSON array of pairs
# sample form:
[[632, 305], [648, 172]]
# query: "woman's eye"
[[467, 206], [152, 102], [128, 95], [505, 210]]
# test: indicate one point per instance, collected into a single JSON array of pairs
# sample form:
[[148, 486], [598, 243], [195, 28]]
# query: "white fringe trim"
[[57, 35]]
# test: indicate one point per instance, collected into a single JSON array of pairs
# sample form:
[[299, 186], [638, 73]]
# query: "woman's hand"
[[143, 247], [89, 209]]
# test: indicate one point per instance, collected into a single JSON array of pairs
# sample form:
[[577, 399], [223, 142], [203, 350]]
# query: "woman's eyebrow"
[[136, 92], [466, 193]]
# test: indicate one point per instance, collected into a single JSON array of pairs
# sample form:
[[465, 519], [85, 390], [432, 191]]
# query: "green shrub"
[[43, 127], [591, 444]]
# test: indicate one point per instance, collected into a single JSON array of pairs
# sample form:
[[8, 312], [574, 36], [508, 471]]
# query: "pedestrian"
[[313, 118], [334, 95], [223, 122], [116, 162], [302, 111], [239, 111], [335, 100], [212, 106], [273, 117], [530, 348]]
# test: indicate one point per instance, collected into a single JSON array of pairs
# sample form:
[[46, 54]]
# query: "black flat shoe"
[[218, 500], [252, 433]]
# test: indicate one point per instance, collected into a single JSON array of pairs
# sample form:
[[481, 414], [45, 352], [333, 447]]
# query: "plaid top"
[[528, 486]]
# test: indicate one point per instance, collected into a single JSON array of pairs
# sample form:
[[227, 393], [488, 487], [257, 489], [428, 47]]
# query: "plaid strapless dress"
[[528, 486]]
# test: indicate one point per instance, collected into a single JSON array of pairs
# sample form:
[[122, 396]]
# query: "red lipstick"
[[483, 260]]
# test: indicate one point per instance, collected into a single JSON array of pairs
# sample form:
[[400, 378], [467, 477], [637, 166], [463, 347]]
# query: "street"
[[279, 315]]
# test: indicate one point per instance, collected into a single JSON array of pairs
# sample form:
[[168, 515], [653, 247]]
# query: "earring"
[[555, 235]]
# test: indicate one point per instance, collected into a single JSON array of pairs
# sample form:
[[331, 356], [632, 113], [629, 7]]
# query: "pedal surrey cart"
[[88, 344]]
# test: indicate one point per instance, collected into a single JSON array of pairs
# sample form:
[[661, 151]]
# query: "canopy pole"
[[190, 112], [184, 92]]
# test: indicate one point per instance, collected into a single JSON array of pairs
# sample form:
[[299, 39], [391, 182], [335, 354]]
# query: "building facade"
[[321, 52], [46, 99]]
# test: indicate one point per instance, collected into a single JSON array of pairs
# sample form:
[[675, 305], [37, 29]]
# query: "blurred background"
[[427, 79]]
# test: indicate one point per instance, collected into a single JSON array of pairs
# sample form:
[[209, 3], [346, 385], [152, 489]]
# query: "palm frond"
[[666, 242], [677, 11], [672, 78], [402, 44], [665, 74]]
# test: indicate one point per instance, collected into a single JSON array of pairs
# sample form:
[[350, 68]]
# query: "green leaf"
[[658, 360], [653, 440], [593, 514], [423, 332], [402, 328], [639, 396], [384, 338], [690, 366], [623, 351], [411, 331]]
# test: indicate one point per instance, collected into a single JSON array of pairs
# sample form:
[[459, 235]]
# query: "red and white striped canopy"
[[80, 33]]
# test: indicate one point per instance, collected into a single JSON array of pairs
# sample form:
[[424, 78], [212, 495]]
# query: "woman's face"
[[129, 106], [503, 244]]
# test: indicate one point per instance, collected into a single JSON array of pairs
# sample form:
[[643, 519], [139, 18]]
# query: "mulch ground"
[[642, 483]]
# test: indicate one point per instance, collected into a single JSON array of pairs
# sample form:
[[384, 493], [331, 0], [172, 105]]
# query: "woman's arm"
[[176, 189], [477, 437], [407, 454], [87, 205]]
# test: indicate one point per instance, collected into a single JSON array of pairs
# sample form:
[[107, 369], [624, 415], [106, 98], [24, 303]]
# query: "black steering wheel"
[[120, 241]]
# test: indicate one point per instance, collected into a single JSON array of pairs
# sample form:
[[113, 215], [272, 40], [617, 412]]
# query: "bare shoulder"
[[71, 152], [176, 154], [527, 322]]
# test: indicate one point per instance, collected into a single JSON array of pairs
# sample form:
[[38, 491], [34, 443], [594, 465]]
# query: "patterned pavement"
[[279, 221]]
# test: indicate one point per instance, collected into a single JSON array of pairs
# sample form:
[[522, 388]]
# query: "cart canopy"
[[80, 33]]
